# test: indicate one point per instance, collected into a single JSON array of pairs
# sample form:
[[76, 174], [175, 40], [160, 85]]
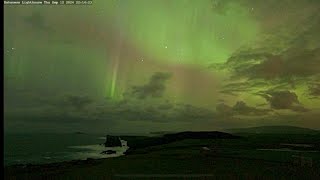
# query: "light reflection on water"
[[94, 151], [50, 148]]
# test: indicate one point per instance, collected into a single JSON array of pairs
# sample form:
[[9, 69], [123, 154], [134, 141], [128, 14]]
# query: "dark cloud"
[[67, 102], [192, 113], [78, 102], [154, 88], [223, 109], [302, 63], [243, 109], [283, 100], [262, 70], [150, 113], [314, 89], [292, 63], [299, 109], [240, 108], [309, 36], [286, 57], [235, 88]]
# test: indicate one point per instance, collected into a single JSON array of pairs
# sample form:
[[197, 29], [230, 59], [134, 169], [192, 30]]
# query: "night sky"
[[152, 65]]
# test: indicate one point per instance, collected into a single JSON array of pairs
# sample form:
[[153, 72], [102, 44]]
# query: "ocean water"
[[48, 148]]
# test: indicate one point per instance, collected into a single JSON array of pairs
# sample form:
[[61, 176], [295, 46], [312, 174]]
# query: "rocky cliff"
[[112, 141]]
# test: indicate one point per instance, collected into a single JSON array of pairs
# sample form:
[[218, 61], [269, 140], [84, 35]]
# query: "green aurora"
[[142, 65]]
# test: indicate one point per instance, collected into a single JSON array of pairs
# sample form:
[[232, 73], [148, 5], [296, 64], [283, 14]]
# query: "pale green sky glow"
[[173, 64]]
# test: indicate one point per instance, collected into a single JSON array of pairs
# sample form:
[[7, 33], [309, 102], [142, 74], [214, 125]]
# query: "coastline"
[[166, 163], [225, 156]]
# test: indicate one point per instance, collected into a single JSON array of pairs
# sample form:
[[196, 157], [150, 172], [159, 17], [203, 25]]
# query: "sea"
[[43, 148]]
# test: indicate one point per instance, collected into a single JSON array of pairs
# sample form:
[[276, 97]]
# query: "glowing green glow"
[[105, 49], [114, 79], [189, 32]]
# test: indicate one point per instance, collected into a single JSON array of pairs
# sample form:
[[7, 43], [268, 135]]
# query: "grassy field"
[[230, 159]]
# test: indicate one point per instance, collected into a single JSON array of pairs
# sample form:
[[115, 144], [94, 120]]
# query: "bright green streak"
[[114, 79]]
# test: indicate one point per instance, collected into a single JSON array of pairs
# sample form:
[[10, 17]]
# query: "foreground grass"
[[222, 168]]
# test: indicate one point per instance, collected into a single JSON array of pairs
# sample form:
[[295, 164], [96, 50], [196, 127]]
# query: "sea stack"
[[112, 141]]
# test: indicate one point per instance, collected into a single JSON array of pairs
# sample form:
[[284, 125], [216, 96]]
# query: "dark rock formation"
[[109, 152], [112, 141]]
